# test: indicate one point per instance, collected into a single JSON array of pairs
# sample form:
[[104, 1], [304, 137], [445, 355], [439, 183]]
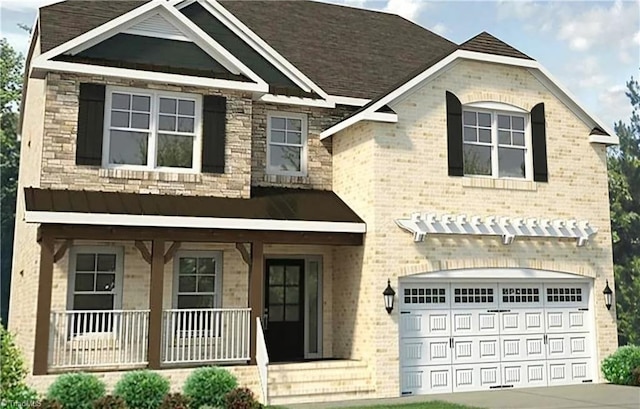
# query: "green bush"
[[49, 404], [241, 398], [636, 376], [14, 392], [175, 401], [76, 390], [109, 402], [208, 386], [142, 389], [618, 367]]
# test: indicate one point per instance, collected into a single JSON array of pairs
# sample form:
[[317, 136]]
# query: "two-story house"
[[238, 182]]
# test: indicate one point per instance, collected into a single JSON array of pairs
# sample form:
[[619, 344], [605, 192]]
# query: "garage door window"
[[520, 295], [473, 295], [564, 294], [424, 295]]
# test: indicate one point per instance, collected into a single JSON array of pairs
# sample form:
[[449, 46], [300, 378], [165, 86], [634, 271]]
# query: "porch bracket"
[[144, 251], [62, 250], [243, 249], [168, 256]]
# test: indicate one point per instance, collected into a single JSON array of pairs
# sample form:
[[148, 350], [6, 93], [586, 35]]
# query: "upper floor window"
[[496, 144], [152, 130], [287, 144]]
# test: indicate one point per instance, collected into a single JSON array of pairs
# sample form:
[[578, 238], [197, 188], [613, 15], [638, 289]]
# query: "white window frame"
[[303, 143], [118, 288], [152, 143], [495, 109], [218, 290]]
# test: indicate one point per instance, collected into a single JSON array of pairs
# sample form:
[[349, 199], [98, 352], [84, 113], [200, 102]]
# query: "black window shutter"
[[454, 135], [539, 144], [214, 114], [90, 124]]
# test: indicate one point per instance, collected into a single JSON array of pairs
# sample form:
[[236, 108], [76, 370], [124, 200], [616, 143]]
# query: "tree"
[[624, 194], [11, 64]]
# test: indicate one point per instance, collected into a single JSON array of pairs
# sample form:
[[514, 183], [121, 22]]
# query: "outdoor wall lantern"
[[389, 295], [608, 296]]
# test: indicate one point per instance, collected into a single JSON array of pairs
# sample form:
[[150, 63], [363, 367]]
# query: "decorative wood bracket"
[[243, 249], [62, 250], [172, 251], [144, 251]]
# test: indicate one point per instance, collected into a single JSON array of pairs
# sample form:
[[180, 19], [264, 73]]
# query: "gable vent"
[[157, 26]]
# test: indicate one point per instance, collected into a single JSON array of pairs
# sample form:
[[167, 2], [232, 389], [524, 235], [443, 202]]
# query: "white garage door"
[[464, 336]]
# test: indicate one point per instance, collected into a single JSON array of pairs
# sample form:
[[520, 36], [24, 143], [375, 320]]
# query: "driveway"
[[589, 396]]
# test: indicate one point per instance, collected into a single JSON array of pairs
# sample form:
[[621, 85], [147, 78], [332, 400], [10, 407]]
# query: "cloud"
[[25, 5], [439, 29], [409, 9], [614, 104]]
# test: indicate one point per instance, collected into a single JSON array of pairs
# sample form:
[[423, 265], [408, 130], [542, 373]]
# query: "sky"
[[591, 47]]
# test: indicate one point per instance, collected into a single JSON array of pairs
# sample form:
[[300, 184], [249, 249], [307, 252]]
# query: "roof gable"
[[488, 44]]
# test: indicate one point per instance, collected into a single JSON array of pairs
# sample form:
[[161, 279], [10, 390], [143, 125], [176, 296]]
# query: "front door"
[[284, 301]]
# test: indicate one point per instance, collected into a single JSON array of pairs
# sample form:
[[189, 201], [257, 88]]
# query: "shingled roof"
[[346, 51]]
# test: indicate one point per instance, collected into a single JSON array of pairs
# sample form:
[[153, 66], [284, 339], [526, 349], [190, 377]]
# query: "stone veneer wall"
[[409, 174], [319, 168], [59, 169]]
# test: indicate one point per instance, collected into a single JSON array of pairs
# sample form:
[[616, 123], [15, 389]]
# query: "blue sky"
[[591, 47]]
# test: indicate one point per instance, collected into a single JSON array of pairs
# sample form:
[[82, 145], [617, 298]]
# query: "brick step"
[[316, 387], [329, 364], [323, 396]]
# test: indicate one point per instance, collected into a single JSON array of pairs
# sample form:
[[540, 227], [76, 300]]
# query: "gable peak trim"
[[157, 26]]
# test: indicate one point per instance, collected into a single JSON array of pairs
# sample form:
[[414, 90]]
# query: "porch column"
[[155, 303], [256, 292], [43, 309]]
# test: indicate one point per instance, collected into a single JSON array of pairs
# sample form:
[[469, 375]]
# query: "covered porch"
[[117, 297]]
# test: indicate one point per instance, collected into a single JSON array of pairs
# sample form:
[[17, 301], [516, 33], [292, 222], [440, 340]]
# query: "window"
[[520, 295], [572, 294], [496, 144], [286, 145], [198, 280], [472, 295], [152, 130], [424, 295]]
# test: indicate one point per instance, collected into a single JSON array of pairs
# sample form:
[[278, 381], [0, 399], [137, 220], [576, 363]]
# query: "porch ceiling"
[[269, 209]]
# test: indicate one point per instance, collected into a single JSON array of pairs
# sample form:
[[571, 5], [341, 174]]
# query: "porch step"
[[320, 381]]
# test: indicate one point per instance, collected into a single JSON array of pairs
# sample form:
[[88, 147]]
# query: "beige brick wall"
[[319, 167], [26, 253], [409, 174], [59, 170]]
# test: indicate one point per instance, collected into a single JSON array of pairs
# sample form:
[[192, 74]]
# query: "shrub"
[[49, 404], [636, 376], [241, 398], [76, 390], [109, 402], [618, 367], [142, 389], [14, 392], [208, 386], [175, 401]]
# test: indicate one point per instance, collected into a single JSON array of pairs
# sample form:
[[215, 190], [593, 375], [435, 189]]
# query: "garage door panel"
[[569, 371], [563, 320], [425, 323], [519, 374], [474, 322], [522, 321], [564, 346], [473, 377], [522, 347], [425, 351], [426, 379], [476, 349]]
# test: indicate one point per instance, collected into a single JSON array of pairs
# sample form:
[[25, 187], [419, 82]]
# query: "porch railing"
[[205, 335], [262, 361], [96, 339]]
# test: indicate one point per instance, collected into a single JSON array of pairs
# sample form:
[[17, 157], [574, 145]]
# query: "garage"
[[469, 330]]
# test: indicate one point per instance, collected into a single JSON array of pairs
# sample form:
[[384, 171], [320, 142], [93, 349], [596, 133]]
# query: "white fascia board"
[[356, 102], [160, 77], [506, 274], [604, 139], [105, 219], [261, 46], [127, 20], [287, 100], [533, 66], [389, 117]]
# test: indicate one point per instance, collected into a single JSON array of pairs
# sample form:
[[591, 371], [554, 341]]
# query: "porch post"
[[256, 292], [43, 309], [155, 303]]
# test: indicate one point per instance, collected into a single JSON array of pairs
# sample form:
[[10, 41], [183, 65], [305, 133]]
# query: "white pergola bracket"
[[423, 224]]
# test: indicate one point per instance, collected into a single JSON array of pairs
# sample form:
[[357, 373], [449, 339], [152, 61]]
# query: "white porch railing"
[[205, 335], [95, 339], [262, 360]]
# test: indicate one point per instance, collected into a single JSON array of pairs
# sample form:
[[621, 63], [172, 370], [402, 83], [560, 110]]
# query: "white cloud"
[[439, 28], [409, 9], [614, 104]]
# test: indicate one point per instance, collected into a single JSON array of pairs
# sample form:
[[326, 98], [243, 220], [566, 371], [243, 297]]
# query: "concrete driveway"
[[588, 396]]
